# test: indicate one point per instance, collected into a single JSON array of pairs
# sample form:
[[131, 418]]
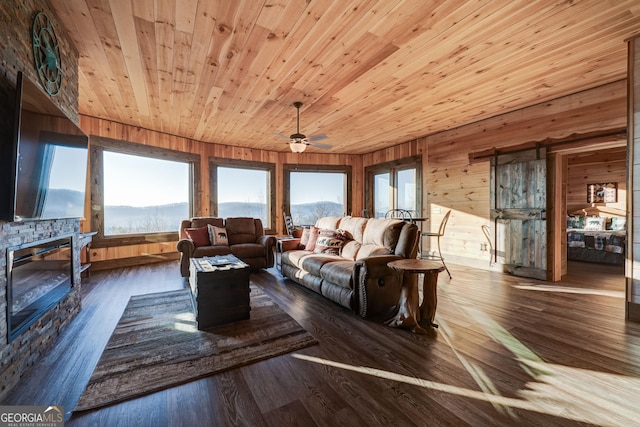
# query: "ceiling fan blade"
[[317, 137], [279, 135], [322, 146]]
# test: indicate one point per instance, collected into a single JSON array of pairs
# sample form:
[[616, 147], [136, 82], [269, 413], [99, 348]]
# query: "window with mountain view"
[[144, 194], [243, 192], [242, 188], [315, 193], [395, 185]]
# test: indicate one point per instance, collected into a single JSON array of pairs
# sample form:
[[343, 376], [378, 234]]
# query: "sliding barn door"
[[518, 206]]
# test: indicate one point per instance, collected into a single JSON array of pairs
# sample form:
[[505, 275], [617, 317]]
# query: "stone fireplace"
[[16, 54], [39, 291]]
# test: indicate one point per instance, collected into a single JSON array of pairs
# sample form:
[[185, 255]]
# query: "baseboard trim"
[[133, 261]]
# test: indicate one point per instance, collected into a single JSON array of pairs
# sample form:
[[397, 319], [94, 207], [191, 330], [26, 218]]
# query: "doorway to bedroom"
[[595, 195]]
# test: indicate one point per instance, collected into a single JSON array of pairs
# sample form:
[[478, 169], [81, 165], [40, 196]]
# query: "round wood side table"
[[410, 316]]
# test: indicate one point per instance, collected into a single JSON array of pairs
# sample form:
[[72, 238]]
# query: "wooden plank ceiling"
[[371, 74]]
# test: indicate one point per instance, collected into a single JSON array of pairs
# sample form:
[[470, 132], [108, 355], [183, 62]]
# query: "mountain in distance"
[[308, 213], [242, 209], [302, 214], [142, 219], [135, 219]]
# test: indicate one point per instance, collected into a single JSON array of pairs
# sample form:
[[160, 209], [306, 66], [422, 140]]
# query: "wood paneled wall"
[[593, 167], [450, 180]]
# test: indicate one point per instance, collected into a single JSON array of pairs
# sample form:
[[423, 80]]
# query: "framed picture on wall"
[[604, 192]]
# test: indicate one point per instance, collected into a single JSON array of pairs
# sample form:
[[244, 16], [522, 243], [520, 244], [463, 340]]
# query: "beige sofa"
[[358, 277], [245, 239]]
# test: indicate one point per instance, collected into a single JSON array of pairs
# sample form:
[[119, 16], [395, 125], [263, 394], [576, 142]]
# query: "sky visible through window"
[[242, 185], [131, 180], [310, 187], [382, 194], [306, 187], [406, 179]]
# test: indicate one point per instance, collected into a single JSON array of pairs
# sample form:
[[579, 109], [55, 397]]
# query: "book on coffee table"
[[217, 263], [219, 260]]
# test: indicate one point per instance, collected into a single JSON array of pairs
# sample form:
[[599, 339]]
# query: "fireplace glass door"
[[39, 275]]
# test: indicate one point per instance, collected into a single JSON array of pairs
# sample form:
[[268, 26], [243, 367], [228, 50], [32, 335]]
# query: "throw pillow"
[[575, 240], [200, 236], [574, 222], [313, 236], [595, 223], [329, 242], [304, 239], [218, 236], [618, 223]]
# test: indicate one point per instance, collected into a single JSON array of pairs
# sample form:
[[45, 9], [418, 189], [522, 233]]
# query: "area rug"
[[156, 345]]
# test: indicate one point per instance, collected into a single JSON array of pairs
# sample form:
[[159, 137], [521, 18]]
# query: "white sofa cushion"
[[354, 226]]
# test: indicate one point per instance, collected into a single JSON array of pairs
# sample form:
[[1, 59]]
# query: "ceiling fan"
[[299, 142]]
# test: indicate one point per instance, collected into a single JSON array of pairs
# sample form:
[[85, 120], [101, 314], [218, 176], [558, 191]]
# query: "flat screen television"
[[45, 167]]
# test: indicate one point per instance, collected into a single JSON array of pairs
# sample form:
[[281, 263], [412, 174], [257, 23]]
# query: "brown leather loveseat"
[[209, 236]]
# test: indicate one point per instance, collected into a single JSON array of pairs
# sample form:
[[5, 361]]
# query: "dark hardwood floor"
[[509, 351]]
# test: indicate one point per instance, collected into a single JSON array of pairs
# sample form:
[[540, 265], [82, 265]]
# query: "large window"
[[143, 194], [316, 191], [394, 185], [241, 189], [140, 193]]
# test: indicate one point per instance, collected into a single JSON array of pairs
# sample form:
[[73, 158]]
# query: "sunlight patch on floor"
[[575, 393], [185, 322], [566, 392], [569, 290], [477, 373], [433, 385]]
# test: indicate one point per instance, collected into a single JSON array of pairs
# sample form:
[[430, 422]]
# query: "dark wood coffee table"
[[220, 290]]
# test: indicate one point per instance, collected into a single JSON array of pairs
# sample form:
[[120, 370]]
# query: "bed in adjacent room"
[[596, 239]]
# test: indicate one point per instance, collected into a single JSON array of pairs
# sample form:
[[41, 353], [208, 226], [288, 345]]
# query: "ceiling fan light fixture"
[[298, 146], [298, 142]]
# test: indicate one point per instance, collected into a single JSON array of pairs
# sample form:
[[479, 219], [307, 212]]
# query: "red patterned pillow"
[[200, 236], [330, 242]]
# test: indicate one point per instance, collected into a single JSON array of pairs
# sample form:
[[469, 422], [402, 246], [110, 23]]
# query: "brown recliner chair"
[[246, 240]]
